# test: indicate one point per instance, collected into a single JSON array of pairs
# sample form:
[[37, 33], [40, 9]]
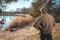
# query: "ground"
[[28, 33], [56, 32]]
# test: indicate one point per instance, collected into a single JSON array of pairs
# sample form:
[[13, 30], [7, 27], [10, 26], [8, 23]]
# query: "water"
[[7, 21]]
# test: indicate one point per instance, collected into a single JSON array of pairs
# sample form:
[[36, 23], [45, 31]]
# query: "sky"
[[18, 4], [21, 3]]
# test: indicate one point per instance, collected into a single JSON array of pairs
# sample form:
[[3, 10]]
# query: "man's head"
[[43, 10]]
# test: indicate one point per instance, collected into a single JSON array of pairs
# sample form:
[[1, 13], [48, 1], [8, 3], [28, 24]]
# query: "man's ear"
[[42, 8]]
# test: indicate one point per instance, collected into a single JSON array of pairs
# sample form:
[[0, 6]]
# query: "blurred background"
[[9, 8]]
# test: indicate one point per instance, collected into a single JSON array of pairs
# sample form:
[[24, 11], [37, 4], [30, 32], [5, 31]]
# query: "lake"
[[7, 21]]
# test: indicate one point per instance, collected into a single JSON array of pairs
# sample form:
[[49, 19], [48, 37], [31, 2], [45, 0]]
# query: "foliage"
[[35, 8], [7, 1], [36, 5], [56, 11], [3, 4], [26, 10]]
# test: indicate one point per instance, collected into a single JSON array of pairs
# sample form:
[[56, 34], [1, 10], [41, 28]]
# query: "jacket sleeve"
[[37, 23]]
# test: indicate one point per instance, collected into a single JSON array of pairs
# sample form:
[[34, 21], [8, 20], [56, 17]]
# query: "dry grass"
[[29, 33], [21, 21], [56, 32]]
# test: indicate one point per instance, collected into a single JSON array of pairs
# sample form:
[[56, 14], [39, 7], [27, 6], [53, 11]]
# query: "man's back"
[[46, 22]]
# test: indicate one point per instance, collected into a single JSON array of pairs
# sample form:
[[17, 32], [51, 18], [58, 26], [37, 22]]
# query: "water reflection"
[[7, 21]]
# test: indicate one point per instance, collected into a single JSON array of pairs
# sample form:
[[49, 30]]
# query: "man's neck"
[[44, 12]]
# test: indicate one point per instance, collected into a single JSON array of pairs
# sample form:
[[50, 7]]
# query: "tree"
[[26, 10], [3, 3], [36, 5], [56, 11]]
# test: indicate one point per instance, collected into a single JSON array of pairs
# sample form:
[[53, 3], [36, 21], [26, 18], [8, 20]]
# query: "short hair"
[[42, 8]]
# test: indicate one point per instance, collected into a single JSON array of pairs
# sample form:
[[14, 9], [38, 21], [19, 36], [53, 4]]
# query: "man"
[[44, 23]]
